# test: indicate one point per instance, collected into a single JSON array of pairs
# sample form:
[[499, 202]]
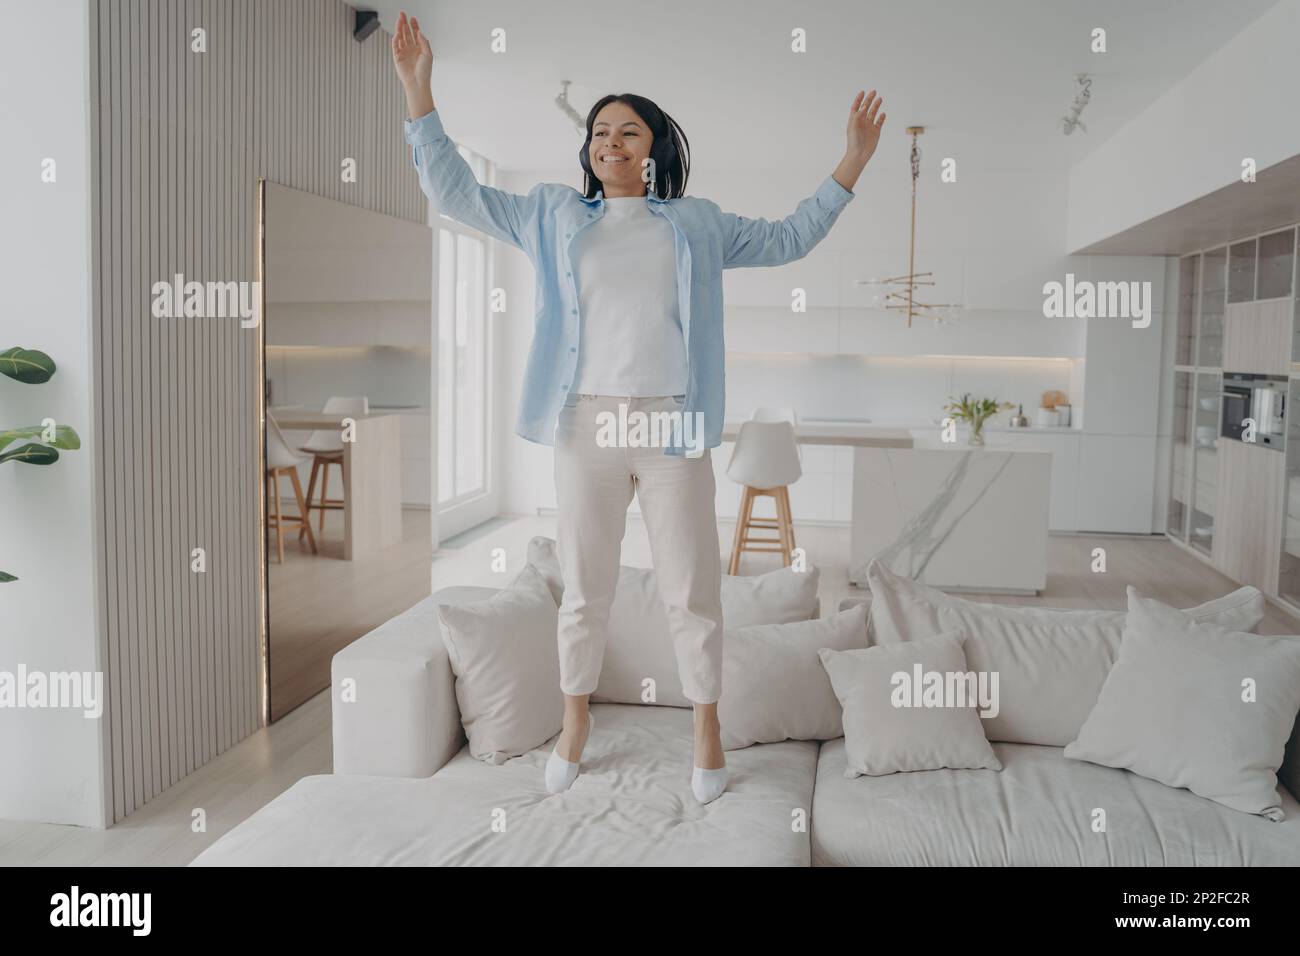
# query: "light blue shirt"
[[544, 223]]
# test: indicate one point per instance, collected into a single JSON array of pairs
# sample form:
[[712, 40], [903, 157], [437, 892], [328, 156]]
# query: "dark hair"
[[669, 149]]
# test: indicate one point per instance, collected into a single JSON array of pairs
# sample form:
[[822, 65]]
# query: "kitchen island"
[[956, 517]]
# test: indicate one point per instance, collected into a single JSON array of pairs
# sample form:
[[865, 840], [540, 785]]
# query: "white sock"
[[708, 785], [561, 773]]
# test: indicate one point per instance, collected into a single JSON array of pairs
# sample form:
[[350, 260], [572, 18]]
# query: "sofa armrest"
[[393, 695]]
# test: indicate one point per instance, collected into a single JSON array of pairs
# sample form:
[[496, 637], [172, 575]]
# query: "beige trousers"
[[595, 480]]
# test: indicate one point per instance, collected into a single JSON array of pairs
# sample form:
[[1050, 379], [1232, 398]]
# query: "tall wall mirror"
[[350, 450]]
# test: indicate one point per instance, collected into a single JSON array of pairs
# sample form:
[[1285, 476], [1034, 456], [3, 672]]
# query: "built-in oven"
[[1254, 408]]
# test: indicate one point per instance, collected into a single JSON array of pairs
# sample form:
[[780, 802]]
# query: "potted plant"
[[975, 412], [41, 443]]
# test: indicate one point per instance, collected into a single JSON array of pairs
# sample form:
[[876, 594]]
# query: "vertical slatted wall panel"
[[181, 138]]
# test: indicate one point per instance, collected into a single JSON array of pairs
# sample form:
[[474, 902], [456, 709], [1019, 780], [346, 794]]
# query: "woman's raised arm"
[[445, 177], [766, 242]]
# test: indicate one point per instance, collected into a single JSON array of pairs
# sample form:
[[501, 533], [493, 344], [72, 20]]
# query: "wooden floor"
[[320, 603], [249, 775]]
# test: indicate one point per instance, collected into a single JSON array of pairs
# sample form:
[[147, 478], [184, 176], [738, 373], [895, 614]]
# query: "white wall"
[[50, 760], [1193, 139]]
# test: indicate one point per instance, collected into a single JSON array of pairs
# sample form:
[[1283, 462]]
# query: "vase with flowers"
[[975, 412]]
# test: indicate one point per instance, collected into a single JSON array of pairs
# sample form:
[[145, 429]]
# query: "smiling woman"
[[625, 153], [629, 281]]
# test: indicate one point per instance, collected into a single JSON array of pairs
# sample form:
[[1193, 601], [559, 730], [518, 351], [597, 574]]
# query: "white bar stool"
[[280, 460], [765, 460], [326, 448]]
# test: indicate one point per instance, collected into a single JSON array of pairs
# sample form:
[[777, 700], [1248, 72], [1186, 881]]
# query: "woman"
[[628, 328]]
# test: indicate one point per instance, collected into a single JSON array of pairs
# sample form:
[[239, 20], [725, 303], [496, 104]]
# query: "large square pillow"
[[893, 719], [507, 665], [639, 665], [774, 687], [1052, 662], [1196, 706]]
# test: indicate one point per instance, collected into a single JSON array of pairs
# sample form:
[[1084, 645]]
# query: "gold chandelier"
[[903, 289]]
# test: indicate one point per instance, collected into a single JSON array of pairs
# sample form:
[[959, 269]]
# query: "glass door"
[[1180, 483], [1205, 469], [1288, 577], [1214, 287], [1276, 257], [1241, 271], [1189, 272]]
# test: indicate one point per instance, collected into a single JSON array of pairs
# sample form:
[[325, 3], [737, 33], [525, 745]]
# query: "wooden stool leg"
[[742, 525], [311, 489], [785, 493], [279, 519], [267, 498], [781, 497], [324, 492], [302, 509]]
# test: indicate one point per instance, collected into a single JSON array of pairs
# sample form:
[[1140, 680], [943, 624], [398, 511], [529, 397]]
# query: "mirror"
[[348, 333]]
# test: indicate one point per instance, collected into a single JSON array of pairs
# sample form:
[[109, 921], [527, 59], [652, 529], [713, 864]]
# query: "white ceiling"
[[989, 79]]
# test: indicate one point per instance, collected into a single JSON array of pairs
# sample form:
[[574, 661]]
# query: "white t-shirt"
[[630, 340]]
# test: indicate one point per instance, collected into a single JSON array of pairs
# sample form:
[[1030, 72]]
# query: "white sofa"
[[405, 790]]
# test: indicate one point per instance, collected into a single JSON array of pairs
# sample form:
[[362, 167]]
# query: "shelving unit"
[[1237, 300]]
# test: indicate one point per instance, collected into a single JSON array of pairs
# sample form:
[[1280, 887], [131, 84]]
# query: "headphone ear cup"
[[665, 157]]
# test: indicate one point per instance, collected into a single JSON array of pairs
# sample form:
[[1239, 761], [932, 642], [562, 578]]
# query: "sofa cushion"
[[639, 644], [1039, 811], [631, 806], [1051, 662], [507, 666], [1174, 708], [891, 724], [774, 685]]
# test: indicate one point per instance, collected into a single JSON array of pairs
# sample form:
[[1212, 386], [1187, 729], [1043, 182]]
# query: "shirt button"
[[569, 274], [573, 311], [571, 349]]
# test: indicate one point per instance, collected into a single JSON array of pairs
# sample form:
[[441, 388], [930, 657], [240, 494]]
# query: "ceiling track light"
[[1071, 119], [562, 101]]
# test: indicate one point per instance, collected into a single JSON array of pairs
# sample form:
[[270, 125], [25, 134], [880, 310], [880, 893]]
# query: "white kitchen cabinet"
[[1115, 477]]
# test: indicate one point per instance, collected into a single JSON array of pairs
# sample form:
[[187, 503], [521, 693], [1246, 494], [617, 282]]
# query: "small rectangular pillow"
[[774, 687], [506, 660], [1052, 662], [639, 665], [1196, 706], [894, 722]]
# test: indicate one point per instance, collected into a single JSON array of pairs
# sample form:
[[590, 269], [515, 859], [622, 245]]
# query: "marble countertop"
[[858, 434], [991, 427]]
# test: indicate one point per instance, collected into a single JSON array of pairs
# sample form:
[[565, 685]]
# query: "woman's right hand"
[[413, 61]]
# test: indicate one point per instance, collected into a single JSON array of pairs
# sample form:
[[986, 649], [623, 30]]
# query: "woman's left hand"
[[865, 123]]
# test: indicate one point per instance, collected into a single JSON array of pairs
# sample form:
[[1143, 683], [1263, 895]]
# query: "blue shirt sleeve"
[[764, 242], [448, 180]]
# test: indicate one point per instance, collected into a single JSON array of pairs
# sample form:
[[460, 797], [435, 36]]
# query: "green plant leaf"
[[64, 436], [5, 577], [975, 410], [26, 365], [31, 454]]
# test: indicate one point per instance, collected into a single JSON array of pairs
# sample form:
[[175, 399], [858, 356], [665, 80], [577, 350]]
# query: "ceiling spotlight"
[[1071, 119]]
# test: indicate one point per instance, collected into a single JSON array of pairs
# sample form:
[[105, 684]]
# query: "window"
[[463, 418]]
